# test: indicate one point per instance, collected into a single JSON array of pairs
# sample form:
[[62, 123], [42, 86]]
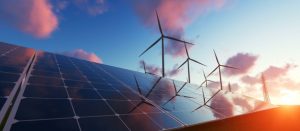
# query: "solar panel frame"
[[17, 85]]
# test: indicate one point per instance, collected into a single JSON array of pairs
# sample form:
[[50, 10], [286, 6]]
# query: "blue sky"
[[268, 29]]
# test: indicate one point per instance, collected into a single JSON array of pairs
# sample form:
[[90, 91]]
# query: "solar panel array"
[[64, 93], [14, 60]]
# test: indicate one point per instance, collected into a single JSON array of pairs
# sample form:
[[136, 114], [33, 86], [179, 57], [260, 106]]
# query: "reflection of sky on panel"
[[162, 92]]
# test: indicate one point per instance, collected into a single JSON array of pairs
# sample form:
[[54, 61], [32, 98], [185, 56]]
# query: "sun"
[[289, 97]]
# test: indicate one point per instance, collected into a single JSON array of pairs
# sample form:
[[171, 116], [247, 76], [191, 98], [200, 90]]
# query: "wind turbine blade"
[[182, 63], [203, 95], [151, 73], [137, 84], [202, 83], [186, 96], [205, 79], [144, 64], [204, 75], [182, 87], [158, 21], [172, 38], [135, 107], [226, 66], [198, 108], [229, 87], [148, 103], [175, 87], [186, 51], [169, 100], [153, 87], [151, 46], [216, 57], [212, 96], [198, 62], [212, 71], [212, 81]]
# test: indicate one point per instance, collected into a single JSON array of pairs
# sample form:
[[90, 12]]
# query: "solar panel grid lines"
[[156, 88], [75, 115], [10, 89], [6, 48], [36, 121], [22, 85], [157, 106], [64, 93], [106, 102], [24, 99], [122, 115], [180, 104]]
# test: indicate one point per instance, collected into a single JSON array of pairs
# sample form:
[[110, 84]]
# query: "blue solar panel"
[[13, 62], [80, 91], [64, 93]]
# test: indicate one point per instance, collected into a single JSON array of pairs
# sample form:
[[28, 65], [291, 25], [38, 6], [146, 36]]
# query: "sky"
[[253, 35]]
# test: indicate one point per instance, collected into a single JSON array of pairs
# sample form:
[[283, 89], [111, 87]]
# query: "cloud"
[[226, 108], [157, 70], [234, 87], [274, 72], [31, 16], [60, 5], [81, 54], [243, 103], [250, 80], [174, 71], [92, 7], [243, 61], [37, 17], [175, 16], [214, 85], [150, 68]]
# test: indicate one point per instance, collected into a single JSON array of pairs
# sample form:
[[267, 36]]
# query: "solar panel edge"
[[14, 107], [1, 42]]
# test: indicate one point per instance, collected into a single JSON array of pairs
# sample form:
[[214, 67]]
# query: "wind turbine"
[[265, 90], [188, 59], [177, 92], [229, 87], [219, 69], [145, 70], [143, 100], [205, 80], [162, 37], [206, 101]]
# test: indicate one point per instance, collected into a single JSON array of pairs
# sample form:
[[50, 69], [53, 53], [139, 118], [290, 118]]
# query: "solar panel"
[[184, 105], [64, 93], [13, 62], [81, 94]]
